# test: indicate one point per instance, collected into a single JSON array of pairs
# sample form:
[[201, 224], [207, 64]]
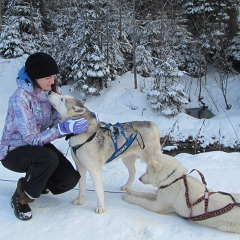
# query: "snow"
[[55, 218]]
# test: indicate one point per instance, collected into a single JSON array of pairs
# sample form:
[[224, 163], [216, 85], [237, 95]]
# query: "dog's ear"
[[83, 101], [155, 165], [79, 109], [76, 111]]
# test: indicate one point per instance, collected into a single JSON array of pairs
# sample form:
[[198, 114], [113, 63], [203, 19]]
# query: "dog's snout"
[[49, 92]]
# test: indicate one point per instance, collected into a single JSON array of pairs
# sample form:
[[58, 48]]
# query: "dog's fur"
[[172, 198], [92, 155]]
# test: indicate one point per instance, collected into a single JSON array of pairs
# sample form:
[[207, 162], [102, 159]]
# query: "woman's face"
[[46, 82]]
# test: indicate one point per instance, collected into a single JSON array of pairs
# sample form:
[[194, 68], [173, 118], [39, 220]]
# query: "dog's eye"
[[62, 99]]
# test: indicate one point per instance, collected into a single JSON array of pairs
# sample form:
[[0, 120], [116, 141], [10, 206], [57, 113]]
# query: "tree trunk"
[[97, 26], [233, 21], [120, 20], [32, 22], [107, 30], [134, 47], [1, 13]]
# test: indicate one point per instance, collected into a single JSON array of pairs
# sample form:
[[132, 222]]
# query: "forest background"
[[94, 41]]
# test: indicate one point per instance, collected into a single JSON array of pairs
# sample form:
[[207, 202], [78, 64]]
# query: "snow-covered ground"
[[55, 218]]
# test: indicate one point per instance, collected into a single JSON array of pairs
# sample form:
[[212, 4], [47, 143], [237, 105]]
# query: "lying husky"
[[183, 194], [95, 146]]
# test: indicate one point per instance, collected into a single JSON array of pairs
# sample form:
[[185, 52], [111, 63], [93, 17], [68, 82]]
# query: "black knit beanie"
[[40, 65]]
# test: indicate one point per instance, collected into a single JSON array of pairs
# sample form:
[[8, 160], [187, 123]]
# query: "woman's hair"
[[55, 85]]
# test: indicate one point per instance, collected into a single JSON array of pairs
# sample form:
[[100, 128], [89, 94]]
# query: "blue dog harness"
[[115, 135]]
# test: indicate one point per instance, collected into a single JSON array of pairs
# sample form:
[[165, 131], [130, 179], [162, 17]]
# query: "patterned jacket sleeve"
[[56, 118], [27, 125]]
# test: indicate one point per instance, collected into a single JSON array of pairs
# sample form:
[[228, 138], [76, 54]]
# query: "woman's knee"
[[48, 157], [73, 180], [57, 184]]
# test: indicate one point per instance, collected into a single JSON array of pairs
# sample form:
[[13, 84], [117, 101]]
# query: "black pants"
[[45, 166]]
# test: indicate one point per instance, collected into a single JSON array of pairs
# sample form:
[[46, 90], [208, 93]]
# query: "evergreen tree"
[[144, 61], [65, 40], [167, 94], [11, 45], [89, 68], [116, 63], [187, 52], [92, 73], [116, 44], [17, 35], [233, 52], [210, 22]]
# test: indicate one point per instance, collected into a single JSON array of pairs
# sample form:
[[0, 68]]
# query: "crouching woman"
[[30, 126]]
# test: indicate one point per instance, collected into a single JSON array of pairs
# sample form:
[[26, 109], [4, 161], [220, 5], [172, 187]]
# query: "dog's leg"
[[96, 176], [149, 196], [130, 164], [82, 184], [154, 206]]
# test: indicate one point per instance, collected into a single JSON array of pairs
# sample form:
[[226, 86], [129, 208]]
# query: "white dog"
[[93, 148], [186, 196]]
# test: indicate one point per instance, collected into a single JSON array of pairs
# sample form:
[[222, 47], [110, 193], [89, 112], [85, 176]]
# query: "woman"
[[31, 124]]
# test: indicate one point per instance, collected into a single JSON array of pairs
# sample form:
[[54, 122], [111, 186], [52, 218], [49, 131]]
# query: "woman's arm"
[[26, 123]]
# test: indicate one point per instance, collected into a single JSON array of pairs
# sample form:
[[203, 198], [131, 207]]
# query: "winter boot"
[[21, 209], [24, 199]]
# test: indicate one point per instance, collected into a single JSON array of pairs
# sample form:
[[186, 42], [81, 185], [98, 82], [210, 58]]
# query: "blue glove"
[[95, 115], [76, 126], [22, 74]]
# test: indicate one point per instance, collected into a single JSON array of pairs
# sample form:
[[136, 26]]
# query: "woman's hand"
[[76, 126]]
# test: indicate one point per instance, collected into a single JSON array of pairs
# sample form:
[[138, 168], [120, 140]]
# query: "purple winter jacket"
[[30, 120]]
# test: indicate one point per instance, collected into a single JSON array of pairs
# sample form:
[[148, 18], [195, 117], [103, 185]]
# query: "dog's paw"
[[125, 188], [130, 192], [100, 210], [125, 196], [78, 201]]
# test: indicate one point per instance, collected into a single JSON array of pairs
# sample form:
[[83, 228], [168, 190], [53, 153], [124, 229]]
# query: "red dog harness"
[[204, 198]]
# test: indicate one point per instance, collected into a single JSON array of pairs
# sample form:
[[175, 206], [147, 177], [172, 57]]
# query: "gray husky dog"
[[97, 146]]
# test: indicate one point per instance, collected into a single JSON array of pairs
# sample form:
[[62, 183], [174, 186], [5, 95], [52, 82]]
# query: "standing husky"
[[93, 148], [185, 195]]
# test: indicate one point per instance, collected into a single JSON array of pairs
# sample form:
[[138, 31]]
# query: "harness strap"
[[224, 193], [123, 148], [164, 186], [75, 148], [215, 213], [115, 137], [205, 197], [67, 137], [136, 130]]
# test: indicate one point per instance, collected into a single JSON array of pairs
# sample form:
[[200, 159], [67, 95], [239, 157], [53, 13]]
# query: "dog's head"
[[151, 174], [67, 106], [163, 170]]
